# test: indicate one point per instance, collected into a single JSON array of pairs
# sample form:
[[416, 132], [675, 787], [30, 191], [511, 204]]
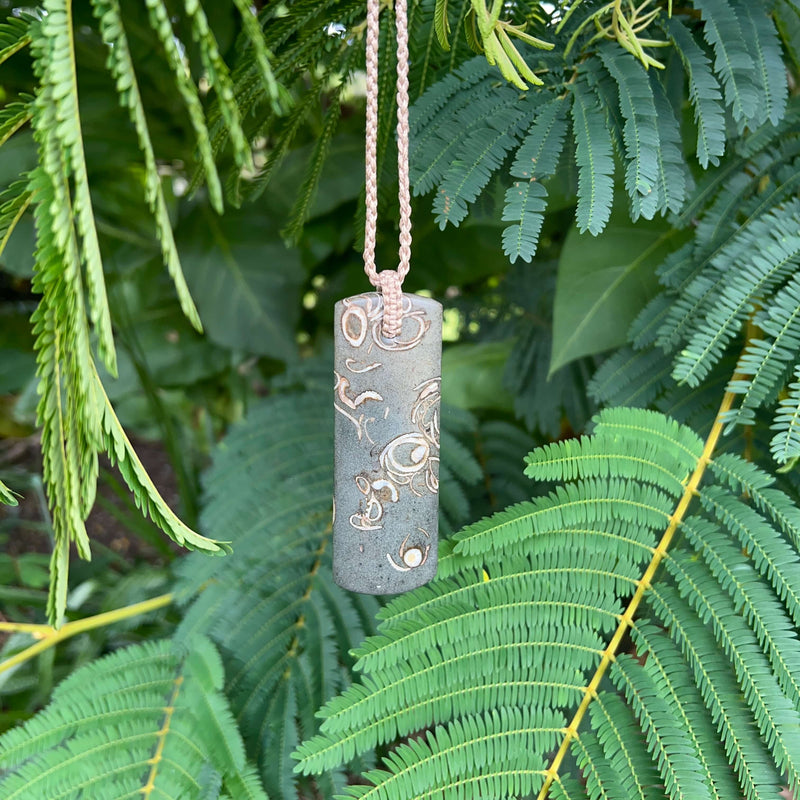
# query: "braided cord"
[[389, 282]]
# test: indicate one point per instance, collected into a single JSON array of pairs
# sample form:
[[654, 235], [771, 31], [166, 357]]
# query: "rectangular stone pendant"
[[386, 470]]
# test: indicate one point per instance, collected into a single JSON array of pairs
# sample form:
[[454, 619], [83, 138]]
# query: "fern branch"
[[643, 584]]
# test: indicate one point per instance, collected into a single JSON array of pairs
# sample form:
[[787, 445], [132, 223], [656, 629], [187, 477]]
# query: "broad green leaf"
[[603, 281], [245, 282], [472, 375]]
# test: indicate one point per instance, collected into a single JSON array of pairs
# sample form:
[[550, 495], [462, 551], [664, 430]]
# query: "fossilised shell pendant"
[[386, 472]]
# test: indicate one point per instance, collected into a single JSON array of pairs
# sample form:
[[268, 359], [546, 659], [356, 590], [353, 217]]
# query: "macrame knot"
[[390, 285]]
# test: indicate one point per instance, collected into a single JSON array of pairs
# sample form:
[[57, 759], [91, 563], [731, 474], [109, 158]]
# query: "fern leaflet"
[[536, 160], [595, 163], [704, 94], [733, 63]]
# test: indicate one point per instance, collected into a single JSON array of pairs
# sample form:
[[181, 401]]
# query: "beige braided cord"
[[388, 282]]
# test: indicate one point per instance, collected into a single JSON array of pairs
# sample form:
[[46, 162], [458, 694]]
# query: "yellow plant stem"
[[626, 620], [49, 637], [154, 762]]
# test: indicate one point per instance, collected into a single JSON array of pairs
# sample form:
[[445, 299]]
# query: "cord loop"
[[388, 282]]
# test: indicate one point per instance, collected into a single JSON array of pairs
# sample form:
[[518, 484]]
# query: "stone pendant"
[[386, 472]]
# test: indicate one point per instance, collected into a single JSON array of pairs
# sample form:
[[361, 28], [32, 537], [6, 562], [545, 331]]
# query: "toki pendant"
[[386, 471]]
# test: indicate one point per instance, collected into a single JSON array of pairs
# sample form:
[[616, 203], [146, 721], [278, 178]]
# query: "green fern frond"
[[641, 130], [775, 166], [121, 66], [219, 77], [161, 24], [764, 47], [707, 708], [263, 58], [766, 253], [146, 495], [149, 721], [478, 155], [284, 654], [630, 378], [594, 159], [711, 671], [732, 61], [14, 35], [762, 367], [525, 204], [535, 160], [704, 94], [58, 74]]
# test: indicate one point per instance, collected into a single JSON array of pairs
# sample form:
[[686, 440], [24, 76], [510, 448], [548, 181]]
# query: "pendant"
[[386, 470]]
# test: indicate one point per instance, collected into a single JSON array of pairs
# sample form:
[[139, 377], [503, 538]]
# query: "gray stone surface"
[[386, 473]]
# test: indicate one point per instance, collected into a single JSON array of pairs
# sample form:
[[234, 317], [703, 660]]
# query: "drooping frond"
[[705, 706], [594, 159], [160, 21], [122, 68], [145, 494], [642, 141], [147, 721], [536, 159], [57, 68], [73, 315], [732, 61], [704, 94]]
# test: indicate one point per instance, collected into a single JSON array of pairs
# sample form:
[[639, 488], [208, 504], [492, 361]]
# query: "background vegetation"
[[607, 205]]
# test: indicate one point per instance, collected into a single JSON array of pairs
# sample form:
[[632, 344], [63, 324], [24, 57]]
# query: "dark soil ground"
[[23, 456]]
